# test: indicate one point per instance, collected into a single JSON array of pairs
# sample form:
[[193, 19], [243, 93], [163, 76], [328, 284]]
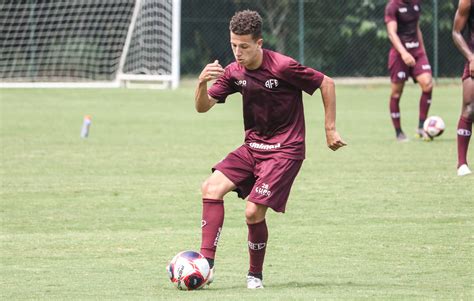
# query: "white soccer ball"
[[434, 126], [188, 270]]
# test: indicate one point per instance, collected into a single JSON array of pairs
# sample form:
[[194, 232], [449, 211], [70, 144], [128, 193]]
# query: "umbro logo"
[[271, 83], [464, 132], [241, 82]]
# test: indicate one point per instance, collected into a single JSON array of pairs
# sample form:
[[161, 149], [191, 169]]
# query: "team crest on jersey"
[[416, 7], [271, 83]]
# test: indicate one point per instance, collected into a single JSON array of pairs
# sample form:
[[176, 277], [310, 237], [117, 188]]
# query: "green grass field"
[[99, 218]]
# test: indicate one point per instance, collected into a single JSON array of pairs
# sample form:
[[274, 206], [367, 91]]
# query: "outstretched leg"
[[213, 191], [465, 126], [426, 83], [257, 242], [395, 95]]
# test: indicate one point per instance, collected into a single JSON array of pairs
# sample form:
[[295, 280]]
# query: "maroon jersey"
[[272, 103], [406, 13]]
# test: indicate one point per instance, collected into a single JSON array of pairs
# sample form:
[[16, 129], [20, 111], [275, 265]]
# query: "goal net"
[[89, 43]]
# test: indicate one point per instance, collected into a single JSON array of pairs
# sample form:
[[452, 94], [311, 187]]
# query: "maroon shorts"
[[466, 74], [265, 181], [400, 72]]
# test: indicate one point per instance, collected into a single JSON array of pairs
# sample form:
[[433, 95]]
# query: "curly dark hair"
[[247, 22]]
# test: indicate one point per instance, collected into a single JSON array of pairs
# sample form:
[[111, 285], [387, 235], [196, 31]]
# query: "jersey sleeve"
[[390, 12], [222, 87], [302, 77]]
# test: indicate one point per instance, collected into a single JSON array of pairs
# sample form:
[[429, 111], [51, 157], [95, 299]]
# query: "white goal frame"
[[123, 79]]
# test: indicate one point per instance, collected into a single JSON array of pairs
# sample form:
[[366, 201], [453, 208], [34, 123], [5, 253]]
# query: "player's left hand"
[[333, 140]]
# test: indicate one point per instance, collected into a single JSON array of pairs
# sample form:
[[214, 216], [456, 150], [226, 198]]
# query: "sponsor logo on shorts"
[[401, 75], [403, 9], [241, 83], [464, 132], [264, 146], [263, 190], [426, 67], [416, 7], [411, 45], [271, 83], [395, 115], [257, 246]]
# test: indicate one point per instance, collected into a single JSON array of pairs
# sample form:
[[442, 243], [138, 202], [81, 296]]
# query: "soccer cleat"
[[254, 282], [421, 134], [401, 137], [210, 278], [464, 170]]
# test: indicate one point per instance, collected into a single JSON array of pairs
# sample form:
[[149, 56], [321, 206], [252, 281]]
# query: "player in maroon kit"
[[263, 169], [464, 18], [407, 58]]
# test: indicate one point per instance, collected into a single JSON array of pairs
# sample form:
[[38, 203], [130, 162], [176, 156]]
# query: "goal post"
[[89, 43]]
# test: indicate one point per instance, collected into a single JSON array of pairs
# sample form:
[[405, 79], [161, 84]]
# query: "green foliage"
[[99, 218], [342, 38]]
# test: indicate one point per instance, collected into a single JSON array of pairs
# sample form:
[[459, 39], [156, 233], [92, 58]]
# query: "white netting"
[[86, 41], [62, 40], [150, 49]]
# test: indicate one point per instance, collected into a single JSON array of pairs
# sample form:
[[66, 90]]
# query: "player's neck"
[[257, 63]]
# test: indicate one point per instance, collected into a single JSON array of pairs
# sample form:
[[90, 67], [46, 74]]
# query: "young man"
[[407, 57], [263, 169], [464, 18]]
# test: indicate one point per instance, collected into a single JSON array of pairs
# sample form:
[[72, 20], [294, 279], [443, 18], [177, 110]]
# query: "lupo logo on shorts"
[[263, 190]]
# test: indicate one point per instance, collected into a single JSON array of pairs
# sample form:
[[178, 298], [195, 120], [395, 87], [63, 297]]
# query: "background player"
[[407, 58], [464, 18], [264, 167]]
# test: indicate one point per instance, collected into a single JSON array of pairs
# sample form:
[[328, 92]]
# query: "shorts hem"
[[237, 190], [278, 210]]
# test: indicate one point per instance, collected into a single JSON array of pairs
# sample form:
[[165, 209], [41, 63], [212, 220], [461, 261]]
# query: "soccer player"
[[464, 18], [263, 169], [407, 58]]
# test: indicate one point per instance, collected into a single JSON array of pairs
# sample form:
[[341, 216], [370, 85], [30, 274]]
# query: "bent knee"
[[251, 216], [468, 111], [254, 215], [211, 189], [427, 87]]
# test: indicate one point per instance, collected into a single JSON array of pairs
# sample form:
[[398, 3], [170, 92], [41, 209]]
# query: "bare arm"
[[460, 21], [328, 93], [397, 43], [202, 101]]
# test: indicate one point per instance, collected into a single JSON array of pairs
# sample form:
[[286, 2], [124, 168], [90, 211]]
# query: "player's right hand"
[[408, 59], [211, 71]]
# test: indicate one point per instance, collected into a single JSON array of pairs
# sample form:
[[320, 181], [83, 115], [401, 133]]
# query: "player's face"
[[247, 51]]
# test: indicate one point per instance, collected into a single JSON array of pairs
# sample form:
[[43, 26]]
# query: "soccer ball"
[[434, 126], [188, 270]]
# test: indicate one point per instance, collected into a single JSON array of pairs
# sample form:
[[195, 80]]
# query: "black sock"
[[211, 262], [256, 275], [420, 124], [398, 131]]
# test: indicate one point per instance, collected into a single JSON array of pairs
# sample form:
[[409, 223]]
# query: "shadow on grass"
[[293, 284]]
